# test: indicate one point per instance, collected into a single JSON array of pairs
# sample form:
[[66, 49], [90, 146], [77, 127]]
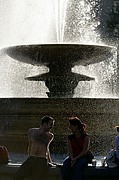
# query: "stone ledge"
[[90, 173]]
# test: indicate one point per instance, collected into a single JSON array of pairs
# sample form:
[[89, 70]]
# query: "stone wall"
[[17, 115]]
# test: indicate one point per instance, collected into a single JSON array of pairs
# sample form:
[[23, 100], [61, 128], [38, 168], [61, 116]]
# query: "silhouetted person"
[[117, 145], [38, 150], [78, 147]]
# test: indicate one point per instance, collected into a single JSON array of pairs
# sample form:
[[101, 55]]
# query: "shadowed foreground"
[[90, 173]]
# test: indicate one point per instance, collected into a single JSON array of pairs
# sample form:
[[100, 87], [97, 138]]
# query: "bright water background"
[[52, 21]]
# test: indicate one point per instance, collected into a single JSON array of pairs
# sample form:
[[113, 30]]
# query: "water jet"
[[19, 114]]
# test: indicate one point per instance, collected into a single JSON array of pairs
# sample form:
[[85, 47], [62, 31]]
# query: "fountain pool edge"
[[7, 173]]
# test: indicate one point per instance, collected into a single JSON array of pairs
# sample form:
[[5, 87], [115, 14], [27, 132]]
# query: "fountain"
[[60, 47], [19, 114], [31, 32], [59, 58]]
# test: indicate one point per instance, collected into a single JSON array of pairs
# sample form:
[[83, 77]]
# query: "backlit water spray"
[[45, 22]]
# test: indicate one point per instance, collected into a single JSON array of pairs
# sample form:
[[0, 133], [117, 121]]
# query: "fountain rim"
[[72, 53], [60, 44]]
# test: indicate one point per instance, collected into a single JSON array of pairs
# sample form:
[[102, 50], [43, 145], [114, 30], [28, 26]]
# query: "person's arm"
[[49, 156], [70, 152], [85, 148], [70, 149], [48, 150]]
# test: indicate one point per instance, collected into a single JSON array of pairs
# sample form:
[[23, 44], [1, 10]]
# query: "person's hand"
[[73, 162], [51, 164]]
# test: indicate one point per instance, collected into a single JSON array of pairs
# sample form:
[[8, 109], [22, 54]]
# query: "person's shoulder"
[[71, 136], [117, 137], [51, 134], [86, 134], [32, 130]]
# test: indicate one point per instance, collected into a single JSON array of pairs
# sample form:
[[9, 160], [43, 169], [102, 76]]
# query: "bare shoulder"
[[87, 138], [51, 135], [32, 131]]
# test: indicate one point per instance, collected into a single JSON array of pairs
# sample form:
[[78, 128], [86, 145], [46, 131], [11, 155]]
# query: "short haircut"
[[46, 119]]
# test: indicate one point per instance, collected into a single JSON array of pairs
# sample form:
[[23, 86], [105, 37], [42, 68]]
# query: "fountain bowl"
[[70, 54], [59, 58]]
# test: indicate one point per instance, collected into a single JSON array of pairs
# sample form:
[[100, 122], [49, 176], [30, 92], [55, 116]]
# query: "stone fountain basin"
[[70, 54]]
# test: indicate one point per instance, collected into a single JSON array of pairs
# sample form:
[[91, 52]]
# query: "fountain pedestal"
[[60, 84]]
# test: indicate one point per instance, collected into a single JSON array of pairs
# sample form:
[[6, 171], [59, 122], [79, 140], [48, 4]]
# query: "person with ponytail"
[[78, 149]]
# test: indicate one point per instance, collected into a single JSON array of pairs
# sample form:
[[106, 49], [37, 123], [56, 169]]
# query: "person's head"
[[117, 128], [76, 125], [47, 122]]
